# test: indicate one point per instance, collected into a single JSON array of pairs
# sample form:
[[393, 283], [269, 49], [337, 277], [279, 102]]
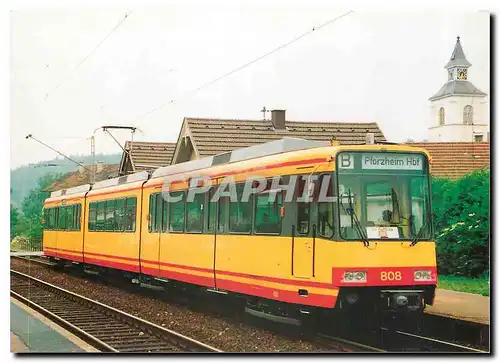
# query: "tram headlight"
[[354, 276], [422, 275]]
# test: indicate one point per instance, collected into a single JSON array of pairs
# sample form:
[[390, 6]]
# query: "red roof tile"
[[455, 159]]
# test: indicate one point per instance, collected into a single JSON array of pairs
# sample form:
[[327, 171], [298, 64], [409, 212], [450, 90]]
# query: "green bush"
[[462, 221]]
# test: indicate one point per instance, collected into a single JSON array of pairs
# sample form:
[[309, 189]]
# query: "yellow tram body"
[[305, 270]]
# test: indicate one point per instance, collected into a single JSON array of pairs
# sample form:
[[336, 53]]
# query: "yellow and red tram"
[[369, 245]]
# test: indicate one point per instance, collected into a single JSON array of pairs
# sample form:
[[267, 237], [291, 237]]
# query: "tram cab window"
[[240, 212], [176, 212], [194, 213]]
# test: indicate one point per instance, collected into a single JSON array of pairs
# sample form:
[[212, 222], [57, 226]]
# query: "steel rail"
[[435, 341], [358, 346], [80, 322]]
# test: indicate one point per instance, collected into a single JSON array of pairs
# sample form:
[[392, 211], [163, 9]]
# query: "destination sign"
[[392, 161], [355, 162]]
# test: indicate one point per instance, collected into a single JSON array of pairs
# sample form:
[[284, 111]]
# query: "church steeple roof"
[[458, 57]]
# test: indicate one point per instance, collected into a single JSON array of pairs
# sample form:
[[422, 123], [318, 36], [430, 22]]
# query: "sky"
[[368, 66]]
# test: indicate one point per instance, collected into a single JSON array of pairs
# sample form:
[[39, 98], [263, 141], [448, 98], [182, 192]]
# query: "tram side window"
[[165, 215], [49, 218], [268, 213], [303, 208], [61, 223], [120, 215], [69, 217], [130, 213], [325, 208], [176, 212], [101, 207], [194, 213], [152, 214], [92, 216], [109, 215], [155, 212], [240, 213], [158, 212], [212, 209], [77, 214]]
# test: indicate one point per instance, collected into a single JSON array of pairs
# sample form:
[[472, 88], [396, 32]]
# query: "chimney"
[[370, 138], [99, 166], [278, 119]]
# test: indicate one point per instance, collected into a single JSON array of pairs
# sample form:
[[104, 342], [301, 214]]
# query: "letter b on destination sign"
[[346, 161]]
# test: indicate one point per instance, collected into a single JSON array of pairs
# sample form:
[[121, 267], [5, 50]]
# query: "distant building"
[[140, 156], [201, 137], [83, 176], [459, 110]]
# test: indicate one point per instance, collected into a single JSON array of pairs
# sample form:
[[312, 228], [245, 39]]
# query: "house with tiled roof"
[[145, 156], [201, 137], [84, 176], [453, 160]]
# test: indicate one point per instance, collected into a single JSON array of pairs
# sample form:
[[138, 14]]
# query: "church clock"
[[462, 73]]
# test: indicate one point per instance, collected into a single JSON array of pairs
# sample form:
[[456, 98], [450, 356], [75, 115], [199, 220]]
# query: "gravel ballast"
[[227, 333]]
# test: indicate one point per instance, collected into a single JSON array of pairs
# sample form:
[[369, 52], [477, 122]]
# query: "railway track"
[[398, 338], [338, 344], [387, 340], [106, 328]]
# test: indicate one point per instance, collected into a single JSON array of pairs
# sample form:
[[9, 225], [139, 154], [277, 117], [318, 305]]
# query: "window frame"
[[128, 216], [251, 201], [186, 204], [441, 116], [280, 218], [91, 223], [183, 201], [319, 204]]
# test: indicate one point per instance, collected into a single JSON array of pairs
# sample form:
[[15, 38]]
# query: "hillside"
[[25, 178]]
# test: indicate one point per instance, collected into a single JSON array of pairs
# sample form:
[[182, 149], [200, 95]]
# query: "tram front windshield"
[[383, 196]]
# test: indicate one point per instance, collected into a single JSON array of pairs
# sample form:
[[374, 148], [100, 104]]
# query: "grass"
[[480, 285]]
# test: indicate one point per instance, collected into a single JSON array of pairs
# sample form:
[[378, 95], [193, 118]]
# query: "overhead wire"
[[235, 70], [87, 56]]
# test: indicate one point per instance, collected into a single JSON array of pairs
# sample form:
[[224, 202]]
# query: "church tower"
[[459, 109]]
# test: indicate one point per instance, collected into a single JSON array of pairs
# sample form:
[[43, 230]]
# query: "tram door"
[[302, 243], [216, 221], [303, 256]]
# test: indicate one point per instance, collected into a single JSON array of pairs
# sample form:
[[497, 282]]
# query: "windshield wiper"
[[354, 218], [421, 230]]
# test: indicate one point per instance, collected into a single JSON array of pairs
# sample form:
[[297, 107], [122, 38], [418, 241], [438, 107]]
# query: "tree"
[[32, 206], [14, 220], [463, 224]]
